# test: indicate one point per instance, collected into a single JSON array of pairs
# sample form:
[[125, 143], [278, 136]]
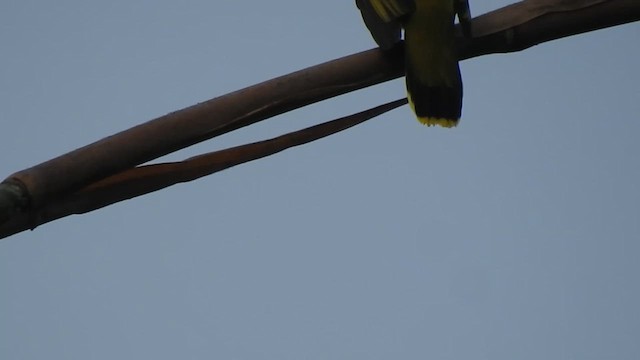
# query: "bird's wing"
[[382, 18], [464, 15], [392, 10]]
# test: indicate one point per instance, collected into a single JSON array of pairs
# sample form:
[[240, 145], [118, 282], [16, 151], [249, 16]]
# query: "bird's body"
[[434, 84]]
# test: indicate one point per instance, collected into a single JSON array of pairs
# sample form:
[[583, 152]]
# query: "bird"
[[433, 79]]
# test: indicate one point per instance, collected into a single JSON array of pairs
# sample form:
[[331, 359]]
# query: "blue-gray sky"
[[513, 236]]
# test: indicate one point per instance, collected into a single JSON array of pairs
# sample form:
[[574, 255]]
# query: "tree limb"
[[512, 28]]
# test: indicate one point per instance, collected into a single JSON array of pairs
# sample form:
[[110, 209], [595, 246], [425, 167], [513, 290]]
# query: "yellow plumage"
[[434, 84]]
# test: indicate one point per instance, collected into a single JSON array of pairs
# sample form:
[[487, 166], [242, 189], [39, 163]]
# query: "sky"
[[513, 236]]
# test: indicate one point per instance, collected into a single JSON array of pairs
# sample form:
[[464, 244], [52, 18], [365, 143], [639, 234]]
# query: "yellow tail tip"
[[431, 121]]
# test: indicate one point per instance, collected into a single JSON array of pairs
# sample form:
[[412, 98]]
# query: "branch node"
[[14, 199]]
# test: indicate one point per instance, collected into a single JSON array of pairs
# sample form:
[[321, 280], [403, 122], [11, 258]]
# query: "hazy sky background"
[[513, 236]]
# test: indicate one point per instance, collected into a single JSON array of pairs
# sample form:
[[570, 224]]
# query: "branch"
[[512, 28], [528, 23], [145, 179]]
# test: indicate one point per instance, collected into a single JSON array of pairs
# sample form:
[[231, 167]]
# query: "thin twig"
[[145, 179]]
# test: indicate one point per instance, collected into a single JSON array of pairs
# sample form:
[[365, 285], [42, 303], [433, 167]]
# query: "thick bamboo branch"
[[511, 28], [528, 23]]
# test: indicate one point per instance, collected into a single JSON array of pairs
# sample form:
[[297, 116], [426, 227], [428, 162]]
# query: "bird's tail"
[[435, 103]]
